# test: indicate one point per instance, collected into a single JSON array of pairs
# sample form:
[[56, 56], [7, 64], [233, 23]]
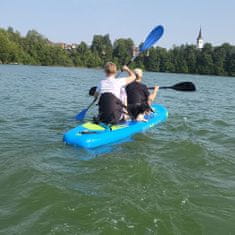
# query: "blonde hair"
[[139, 73], [110, 68]]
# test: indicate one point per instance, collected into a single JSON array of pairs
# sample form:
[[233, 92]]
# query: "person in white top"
[[113, 84], [111, 93]]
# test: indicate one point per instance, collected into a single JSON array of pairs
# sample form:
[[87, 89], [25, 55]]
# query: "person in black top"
[[139, 98]]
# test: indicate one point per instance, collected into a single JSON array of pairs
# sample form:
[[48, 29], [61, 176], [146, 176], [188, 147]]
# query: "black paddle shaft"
[[182, 86]]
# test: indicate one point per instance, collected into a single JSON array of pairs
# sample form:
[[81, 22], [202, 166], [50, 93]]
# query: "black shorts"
[[135, 109]]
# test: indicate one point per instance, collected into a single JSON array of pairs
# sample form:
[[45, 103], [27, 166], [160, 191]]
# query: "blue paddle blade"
[[80, 116], [152, 38]]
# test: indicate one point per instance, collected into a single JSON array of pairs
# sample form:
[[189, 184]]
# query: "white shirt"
[[112, 85]]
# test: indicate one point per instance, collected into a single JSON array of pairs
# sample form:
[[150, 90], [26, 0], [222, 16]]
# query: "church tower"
[[200, 40]]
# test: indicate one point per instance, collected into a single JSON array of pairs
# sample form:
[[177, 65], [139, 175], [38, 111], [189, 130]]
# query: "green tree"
[[9, 51], [205, 61], [122, 50], [152, 60], [34, 48], [102, 48], [219, 56], [190, 56]]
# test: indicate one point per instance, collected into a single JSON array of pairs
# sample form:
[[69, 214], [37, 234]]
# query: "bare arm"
[[153, 95], [131, 76]]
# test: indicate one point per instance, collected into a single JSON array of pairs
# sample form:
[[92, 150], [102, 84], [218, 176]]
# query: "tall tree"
[[123, 49], [102, 47]]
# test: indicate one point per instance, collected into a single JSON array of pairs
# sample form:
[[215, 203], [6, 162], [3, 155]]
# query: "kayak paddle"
[[182, 86], [151, 39], [80, 116]]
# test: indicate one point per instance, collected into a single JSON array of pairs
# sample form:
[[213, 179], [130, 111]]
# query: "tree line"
[[35, 49]]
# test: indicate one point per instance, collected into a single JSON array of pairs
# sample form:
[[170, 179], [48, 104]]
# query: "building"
[[65, 46], [200, 40], [74, 45], [60, 44]]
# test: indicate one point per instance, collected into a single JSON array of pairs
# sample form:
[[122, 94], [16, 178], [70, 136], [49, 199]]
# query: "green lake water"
[[177, 178]]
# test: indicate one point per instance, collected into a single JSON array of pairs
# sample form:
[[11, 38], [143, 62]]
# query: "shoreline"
[[72, 66]]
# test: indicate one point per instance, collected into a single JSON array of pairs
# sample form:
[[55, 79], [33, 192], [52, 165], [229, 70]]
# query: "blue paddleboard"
[[89, 135]]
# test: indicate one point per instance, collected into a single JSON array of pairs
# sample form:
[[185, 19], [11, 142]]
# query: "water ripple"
[[177, 178]]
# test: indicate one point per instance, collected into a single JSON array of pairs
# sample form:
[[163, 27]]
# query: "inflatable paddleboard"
[[89, 135]]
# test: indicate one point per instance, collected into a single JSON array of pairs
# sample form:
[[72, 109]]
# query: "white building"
[[200, 40]]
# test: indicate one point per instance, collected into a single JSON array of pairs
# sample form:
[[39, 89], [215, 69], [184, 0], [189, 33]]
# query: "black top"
[[137, 93]]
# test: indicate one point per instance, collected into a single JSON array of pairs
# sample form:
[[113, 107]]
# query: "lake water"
[[177, 178]]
